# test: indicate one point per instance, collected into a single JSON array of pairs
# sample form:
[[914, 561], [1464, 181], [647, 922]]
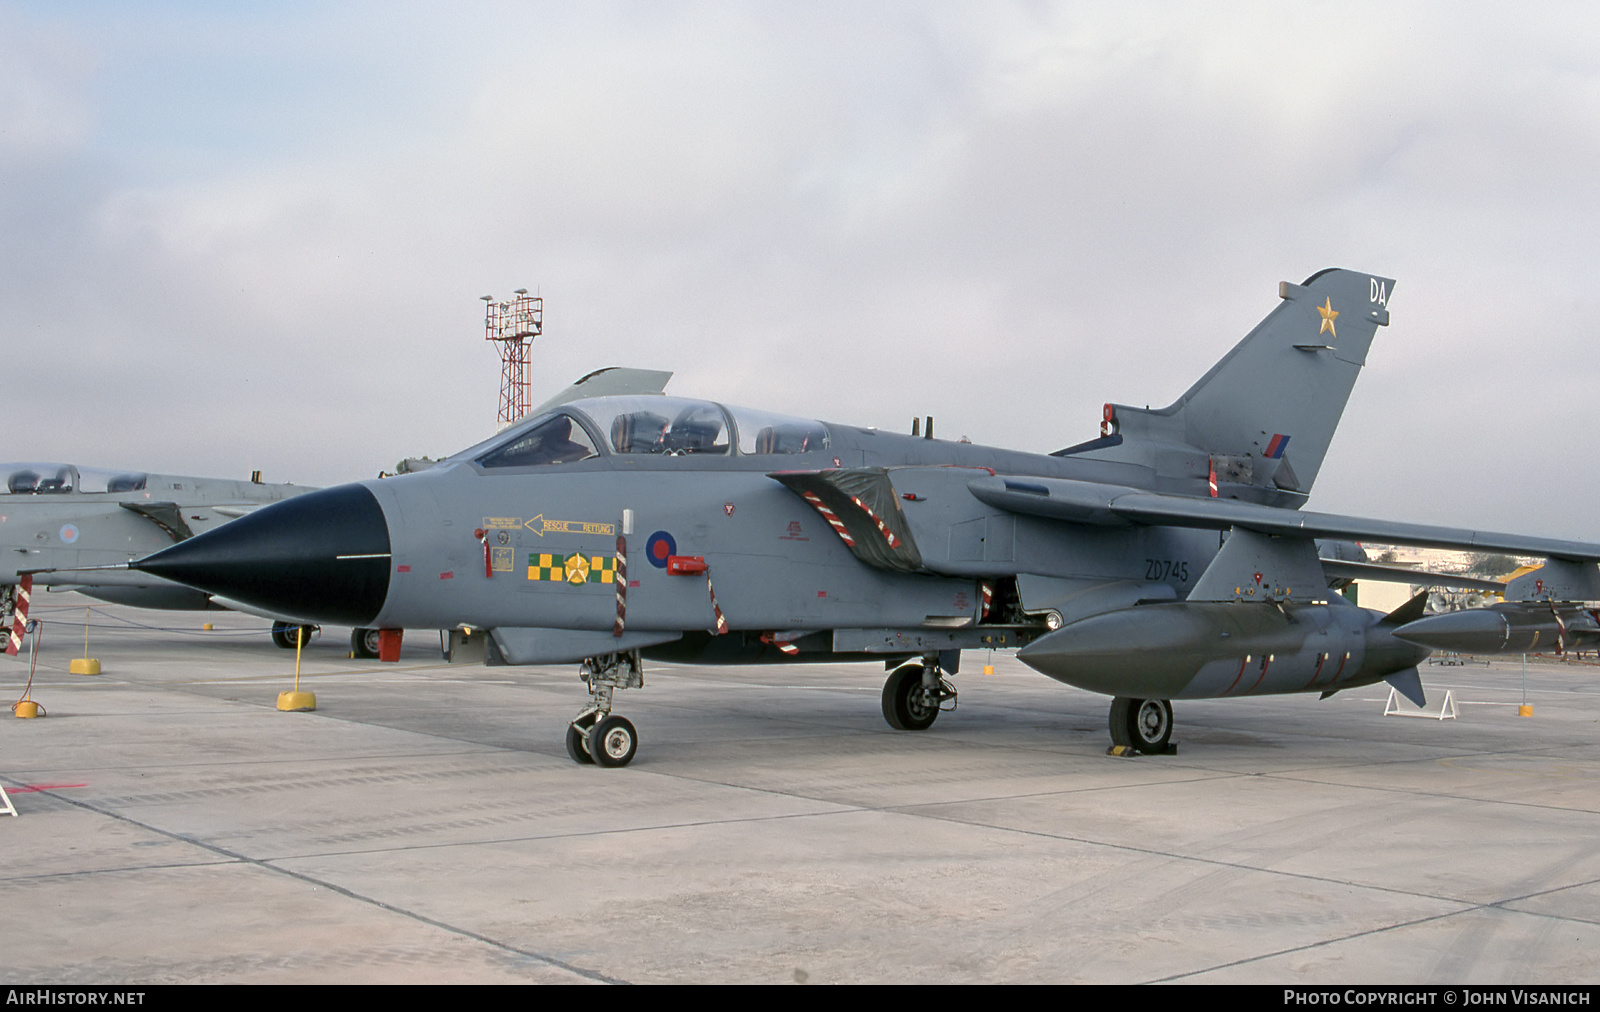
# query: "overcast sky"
[[254, 236]]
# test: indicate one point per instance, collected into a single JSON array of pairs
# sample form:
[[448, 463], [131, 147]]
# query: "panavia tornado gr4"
[[64, 527], [1166, 559]]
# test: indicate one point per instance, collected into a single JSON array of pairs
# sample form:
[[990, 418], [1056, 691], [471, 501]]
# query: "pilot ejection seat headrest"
[[637, 432]]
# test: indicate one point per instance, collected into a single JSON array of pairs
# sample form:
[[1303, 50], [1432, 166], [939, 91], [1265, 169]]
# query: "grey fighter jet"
[[61, 526], [1166, 559]]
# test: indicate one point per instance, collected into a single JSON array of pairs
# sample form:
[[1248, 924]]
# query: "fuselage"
[[774, 563], [535, 529]]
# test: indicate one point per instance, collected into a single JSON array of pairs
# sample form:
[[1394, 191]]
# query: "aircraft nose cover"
[[322, 556]]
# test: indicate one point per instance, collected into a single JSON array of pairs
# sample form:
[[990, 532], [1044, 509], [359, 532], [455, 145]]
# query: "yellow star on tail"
[[1329, 314]]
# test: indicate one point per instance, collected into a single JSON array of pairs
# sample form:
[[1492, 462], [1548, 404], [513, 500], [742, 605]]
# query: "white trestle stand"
[[1447, 709]]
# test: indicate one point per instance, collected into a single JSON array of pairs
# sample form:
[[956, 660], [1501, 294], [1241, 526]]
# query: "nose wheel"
[[613, 742], [598, 737], [578, 740]]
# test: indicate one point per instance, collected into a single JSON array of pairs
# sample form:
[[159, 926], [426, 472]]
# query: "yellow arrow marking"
[[540, 526]]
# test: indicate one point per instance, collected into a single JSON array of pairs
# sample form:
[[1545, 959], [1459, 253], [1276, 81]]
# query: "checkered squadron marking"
[[547, 566], [575, 569]]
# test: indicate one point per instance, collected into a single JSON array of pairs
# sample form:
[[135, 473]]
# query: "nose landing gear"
[[596, 735]]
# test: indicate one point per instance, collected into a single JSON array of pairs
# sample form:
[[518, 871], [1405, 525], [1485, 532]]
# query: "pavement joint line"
[[1499, 905], [256, 679], [315, 760], [913, 811], [1279, 872], [264, 865], [1381, 788], [589, 833], [93, 872], [1321, 943]]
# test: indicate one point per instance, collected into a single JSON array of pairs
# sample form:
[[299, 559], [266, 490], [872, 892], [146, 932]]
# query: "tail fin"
[[1258, 424]]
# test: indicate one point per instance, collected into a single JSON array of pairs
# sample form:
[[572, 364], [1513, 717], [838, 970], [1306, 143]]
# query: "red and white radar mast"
[[513, 325]]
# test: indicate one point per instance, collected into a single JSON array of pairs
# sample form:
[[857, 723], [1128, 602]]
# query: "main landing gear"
[[364, 643], [284, 633], [596, 735], [914, 694], [1144, 725]]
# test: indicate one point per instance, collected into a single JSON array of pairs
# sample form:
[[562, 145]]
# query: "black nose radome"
[[322, 557]]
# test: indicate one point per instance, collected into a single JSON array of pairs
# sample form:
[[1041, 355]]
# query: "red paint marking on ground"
[[35, 788]]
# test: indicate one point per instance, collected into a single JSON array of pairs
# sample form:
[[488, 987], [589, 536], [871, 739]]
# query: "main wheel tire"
[[577, 749], [1145, 725], [904, 705], [364, 643], [613, 742], [283, 634]]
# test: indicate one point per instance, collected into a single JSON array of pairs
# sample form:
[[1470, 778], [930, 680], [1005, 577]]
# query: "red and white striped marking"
[[988, 598], [828, 515], [20, 621], [483, 539], [883, 528], [716, 609], [621, 577], [783, 641]]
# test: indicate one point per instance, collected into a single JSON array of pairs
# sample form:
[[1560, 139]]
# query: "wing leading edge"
[[1115, 505]]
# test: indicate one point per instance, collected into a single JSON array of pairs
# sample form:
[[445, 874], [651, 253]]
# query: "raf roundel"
[[69, 533], [659, 549]]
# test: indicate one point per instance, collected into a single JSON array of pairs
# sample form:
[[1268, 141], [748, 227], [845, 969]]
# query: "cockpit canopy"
[[64, 479], [665, 426], [555, 439]]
